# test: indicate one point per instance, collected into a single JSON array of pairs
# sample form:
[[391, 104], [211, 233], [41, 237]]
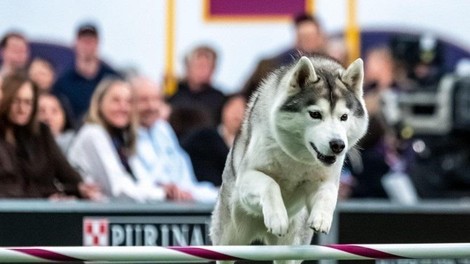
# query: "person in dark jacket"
[[208, 147], [31, 163], [77, 84], [197, 103], [309, 40]]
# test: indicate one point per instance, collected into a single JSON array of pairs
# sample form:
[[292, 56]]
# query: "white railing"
[[255, 253]]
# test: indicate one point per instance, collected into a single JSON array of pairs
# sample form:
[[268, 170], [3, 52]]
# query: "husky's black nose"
[[337, 145]]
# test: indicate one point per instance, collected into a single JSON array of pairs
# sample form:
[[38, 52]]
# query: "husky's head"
[[319, 111]]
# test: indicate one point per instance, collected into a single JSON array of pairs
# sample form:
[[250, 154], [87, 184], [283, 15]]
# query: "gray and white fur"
[[281, 178]]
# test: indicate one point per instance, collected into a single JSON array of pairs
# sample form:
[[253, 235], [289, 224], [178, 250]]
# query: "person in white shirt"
[[158, 149], [104, 148]]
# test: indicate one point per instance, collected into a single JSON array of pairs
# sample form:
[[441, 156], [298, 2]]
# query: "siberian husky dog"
[[281, 178]]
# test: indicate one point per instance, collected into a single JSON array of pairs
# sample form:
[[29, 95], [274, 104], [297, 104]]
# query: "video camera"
[[440, 146], [436, 114], [440, 112]]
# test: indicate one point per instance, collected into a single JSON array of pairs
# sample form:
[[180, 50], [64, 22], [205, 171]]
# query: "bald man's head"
[[149, 100]]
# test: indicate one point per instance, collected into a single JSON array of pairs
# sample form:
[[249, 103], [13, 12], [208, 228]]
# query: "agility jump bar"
[[255, 253]]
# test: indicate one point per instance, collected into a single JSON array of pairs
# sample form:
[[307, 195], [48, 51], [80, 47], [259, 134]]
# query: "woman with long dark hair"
[[31, 163]]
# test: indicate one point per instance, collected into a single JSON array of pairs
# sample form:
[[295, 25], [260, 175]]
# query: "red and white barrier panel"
[[256, 253]]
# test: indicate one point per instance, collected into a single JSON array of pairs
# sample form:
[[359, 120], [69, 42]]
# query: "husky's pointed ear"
[[353, 76], [303, 73]]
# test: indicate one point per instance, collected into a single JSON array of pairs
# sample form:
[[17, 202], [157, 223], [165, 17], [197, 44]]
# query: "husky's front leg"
[[321, 204], [259, 194]]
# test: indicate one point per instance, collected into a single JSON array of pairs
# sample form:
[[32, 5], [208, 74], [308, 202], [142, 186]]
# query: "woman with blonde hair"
[[104, 149]]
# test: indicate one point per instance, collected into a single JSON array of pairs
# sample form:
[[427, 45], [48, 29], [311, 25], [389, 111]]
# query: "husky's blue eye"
[[315, 114], [344, 117]]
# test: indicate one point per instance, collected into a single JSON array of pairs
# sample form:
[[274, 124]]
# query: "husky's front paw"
[[276, 221], [320, 221]]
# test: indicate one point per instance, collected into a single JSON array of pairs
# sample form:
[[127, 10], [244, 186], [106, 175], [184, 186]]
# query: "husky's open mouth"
[[328, 160]]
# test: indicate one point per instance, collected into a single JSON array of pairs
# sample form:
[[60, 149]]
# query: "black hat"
[[87, 29]]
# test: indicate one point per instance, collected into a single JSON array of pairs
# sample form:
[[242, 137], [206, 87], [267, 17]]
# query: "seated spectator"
[[197, 102], [76, 85], [379, 69], [309, 40], [378, 148], [336, 48], [31, 164], [104, 148], [14, 48], [52, 113], [209, 147], [159, 152], [42, 73]]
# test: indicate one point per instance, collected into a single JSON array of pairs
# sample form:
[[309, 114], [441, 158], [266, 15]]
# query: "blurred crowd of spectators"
[[95, 133]]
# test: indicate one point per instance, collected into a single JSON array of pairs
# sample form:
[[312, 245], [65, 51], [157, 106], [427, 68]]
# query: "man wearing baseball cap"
[[76, 85], [87, 28]]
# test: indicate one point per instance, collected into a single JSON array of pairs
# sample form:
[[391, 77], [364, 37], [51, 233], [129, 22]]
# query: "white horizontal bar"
[[257, 253]]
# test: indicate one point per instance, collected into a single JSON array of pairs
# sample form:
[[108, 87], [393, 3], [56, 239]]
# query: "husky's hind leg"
[[289, 239], [232, 236], [225, 236], [299, 234]]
